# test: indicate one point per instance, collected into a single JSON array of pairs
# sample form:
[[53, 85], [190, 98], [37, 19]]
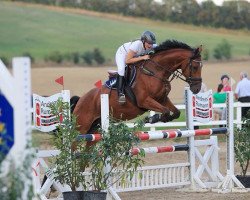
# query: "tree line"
[[231, 15]]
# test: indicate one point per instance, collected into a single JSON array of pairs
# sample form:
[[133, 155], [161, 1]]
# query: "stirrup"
[[121, 98]]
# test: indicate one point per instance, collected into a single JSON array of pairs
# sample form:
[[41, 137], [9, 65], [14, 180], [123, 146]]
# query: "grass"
[[41, 30]]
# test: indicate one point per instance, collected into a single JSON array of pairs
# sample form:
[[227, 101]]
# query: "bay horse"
[[171, 59]]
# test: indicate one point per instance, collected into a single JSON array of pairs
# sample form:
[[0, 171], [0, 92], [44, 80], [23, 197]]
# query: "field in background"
[[40, 30], [81, 79]]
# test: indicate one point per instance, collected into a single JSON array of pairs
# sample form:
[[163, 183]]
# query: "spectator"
[[242, 92], [219, 97], [225, 82]]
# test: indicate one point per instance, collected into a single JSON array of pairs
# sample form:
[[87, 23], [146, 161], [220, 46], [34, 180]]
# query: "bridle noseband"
[[192, 80]]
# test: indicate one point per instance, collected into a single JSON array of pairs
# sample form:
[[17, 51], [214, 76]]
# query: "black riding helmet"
[[149, 37]]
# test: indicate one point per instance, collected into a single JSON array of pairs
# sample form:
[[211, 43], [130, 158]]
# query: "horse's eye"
[[195, 68]]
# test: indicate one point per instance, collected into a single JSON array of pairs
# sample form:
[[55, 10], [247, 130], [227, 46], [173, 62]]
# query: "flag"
[[59, 80], [98, 84]]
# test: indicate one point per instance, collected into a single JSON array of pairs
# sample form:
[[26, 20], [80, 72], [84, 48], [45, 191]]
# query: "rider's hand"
[[146, 57]]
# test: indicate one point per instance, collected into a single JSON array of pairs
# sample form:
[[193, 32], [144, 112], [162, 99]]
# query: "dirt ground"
[[80, 79], [173, 194]]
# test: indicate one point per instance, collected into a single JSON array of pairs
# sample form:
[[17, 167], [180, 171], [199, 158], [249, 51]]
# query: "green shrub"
[[242, 145], [55, 56], [75, 57], [217, 54], [68, 166], [223, 49], [88, 57], [98, 57], [18, 178]]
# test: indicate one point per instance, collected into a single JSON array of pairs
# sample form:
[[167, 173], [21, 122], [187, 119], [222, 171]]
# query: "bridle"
[[177, 73]]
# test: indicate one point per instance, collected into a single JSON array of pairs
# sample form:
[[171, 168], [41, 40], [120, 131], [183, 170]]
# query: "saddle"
[[130, 74]]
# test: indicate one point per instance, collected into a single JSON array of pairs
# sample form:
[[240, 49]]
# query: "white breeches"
[[120, 59]]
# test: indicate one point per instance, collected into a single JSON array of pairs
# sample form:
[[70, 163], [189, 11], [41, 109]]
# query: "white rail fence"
[[237, 118]]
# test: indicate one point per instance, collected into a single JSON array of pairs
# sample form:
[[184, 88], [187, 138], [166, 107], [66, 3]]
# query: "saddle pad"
[[111, 83]]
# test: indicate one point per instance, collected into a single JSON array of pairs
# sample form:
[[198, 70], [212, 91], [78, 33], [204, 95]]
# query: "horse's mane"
[[172, 44]]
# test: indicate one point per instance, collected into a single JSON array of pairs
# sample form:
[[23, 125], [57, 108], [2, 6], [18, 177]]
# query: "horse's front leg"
[[151, 104], [174, 112]]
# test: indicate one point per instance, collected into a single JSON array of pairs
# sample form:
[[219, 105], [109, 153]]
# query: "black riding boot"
[[120, 89]]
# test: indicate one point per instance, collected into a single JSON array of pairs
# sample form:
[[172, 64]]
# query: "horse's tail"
[[73, 102]]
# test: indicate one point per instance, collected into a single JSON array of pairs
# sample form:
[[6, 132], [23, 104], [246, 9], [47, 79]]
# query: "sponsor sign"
[[203, 106], [43, 119]]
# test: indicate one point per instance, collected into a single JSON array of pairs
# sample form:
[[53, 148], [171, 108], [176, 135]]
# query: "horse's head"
[[174, 55], [191, 69]]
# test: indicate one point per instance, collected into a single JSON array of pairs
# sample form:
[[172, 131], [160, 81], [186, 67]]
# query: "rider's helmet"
[[149, 37]]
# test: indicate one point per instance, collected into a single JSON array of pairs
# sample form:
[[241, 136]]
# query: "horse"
[[151, 86]]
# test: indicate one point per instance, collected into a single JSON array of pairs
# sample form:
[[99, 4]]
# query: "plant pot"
[[94, 195], [73, 195], [245, 180]]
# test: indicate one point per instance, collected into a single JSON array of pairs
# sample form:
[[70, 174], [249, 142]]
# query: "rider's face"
[[148, 46]]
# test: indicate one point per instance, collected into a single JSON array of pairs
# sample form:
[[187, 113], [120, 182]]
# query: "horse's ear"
[[198, 50]]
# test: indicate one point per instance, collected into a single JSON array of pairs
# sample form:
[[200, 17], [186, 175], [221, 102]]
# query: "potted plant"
[[112, 153], [68, 165], [242, 150]]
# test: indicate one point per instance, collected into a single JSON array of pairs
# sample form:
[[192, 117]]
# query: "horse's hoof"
[[155, 118], [166, 118]]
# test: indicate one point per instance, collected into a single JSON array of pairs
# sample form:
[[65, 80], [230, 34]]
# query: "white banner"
[[43, 119], [203, 106]]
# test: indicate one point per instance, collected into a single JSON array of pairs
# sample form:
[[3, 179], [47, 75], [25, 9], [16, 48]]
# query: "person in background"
[[219, 97], [128, 53], [242, 92], [225, 82]]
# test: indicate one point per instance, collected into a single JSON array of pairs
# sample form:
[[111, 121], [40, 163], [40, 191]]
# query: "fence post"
[[190, 140], [238, 116]]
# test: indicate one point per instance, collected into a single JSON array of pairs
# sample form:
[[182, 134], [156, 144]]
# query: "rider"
[[129, 53]]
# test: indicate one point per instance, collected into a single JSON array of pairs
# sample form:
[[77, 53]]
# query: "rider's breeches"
[[120, 59]]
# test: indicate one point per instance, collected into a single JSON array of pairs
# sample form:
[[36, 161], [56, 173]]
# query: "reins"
[[173, 74]]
